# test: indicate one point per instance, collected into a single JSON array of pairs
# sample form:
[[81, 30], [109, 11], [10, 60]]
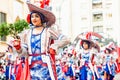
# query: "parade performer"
[[59, 71], [109, 65], [2, 71], [118, 60], [86, 57], [12, 59], [8, 58], [70, 71], [114, 54], [36, 42], [98, 61]]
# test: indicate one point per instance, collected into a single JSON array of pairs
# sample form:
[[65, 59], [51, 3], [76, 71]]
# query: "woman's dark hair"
[[89, 44], [70, 54], [42, 17], [108, 50]]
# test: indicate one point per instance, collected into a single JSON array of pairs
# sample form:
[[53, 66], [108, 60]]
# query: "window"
[[2, 17], [109, 29], [97, 17], [97, 5], [98, 29], [109, 15]]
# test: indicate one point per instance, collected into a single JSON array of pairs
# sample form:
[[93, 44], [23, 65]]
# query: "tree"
[[12, 29], [17, 27], [4, 31]]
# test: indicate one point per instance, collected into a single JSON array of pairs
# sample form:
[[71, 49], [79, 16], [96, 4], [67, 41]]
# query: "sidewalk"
[[117, 76]]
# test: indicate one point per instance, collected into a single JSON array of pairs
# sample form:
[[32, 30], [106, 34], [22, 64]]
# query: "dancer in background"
[[109, 65], [97, 62], [86, 57]]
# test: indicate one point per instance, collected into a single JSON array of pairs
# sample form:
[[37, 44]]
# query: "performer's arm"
[[60, 39]]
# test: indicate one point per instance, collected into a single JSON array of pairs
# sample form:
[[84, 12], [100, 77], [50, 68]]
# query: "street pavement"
[[117, 76]]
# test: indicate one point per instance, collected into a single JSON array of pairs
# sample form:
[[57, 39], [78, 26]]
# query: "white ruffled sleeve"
[[60, 40]]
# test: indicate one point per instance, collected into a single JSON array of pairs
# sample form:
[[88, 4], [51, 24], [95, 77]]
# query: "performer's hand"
[[93, 63], [52, 51], [17, 44]]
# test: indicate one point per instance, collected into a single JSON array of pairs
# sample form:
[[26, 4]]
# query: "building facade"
[[10, 10], [101, 16]]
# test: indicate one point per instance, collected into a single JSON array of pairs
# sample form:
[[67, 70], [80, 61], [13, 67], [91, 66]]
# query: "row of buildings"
[[101, 16], [10, 10], [72, 16]]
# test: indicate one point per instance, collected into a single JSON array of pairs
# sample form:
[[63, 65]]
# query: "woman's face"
[[107, 52], [35, 19], [85, 45]]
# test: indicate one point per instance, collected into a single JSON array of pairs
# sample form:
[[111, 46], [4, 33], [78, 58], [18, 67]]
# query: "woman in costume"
[[86, 57], [97, 62], [37, 44], [109, 65]]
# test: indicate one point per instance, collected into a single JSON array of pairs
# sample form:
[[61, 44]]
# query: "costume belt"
[[38, 61], [37, 54], [86, 63]]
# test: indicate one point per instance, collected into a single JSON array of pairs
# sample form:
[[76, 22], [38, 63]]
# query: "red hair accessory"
[[28, 18], [47, 2], [43, 3], [88, 35]]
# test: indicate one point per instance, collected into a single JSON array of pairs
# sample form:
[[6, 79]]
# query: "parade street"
[[117, 76]]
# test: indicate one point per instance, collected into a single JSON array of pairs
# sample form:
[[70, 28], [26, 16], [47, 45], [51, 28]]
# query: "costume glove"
[[17, 44]]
